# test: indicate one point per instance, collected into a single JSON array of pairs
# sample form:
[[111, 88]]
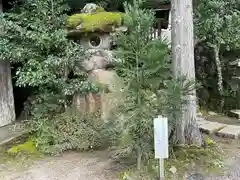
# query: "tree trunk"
[[139, 158], [183, 65], [219, 74], [1, 6], [7, 110]]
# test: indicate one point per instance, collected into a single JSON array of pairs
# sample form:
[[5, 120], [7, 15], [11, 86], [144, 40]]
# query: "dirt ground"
[[96, 166], [232, 162], [70, 166]]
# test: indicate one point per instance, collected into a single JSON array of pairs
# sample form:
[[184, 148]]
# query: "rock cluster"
[[96, 66]]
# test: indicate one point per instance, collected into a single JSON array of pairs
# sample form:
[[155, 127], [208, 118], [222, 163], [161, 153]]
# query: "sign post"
[[161, 142]]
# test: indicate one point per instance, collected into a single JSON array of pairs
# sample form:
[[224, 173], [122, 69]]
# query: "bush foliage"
[[217, 26], [34, 37]]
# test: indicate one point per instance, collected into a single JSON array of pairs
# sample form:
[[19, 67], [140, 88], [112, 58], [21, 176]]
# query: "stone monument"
[[92, 27]]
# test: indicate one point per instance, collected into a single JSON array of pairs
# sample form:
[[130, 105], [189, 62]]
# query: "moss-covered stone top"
[[95, 22]]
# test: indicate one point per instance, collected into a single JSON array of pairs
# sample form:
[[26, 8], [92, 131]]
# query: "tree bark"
[[1, 6], [7, 110], [219, 74], [183, 65]]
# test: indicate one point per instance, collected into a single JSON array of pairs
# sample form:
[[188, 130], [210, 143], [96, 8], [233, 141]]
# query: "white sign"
[[161, 137]]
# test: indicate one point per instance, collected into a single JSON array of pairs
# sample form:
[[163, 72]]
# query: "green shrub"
[[56, 129], [70, 130]]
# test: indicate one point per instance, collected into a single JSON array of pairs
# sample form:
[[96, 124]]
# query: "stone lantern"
[[92, 28]]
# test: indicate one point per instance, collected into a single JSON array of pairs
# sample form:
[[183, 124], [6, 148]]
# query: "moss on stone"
[[209, 141], [27, 147], [95, 22], [19, 154]]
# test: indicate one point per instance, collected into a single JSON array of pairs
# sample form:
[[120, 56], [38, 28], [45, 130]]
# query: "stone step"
[[229, 131], [236, 79], [219, 129], [210, 127], [11, 132], [234, 113], [235, 63]]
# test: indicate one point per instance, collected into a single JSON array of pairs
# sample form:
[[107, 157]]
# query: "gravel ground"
[[71, 166], [89, 166], [232, 162]]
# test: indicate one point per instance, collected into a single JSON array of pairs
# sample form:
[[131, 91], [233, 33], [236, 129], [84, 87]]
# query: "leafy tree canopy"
[[218, 22], [34, 35]]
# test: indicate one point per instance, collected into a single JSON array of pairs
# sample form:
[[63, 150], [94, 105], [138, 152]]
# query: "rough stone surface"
[[210, 127], [113, 97], [90, 8], [79, 102], [105, 41], [230, 131], [99, 59], [211, 113], [235, 113], [201, 120], [10, 132], [109, 78], [95, 62]]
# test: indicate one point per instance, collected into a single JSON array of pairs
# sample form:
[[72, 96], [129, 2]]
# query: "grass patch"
[[185, 159]]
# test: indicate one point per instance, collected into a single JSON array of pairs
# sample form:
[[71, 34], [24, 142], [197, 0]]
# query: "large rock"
[[210, 127], [106, 101], [99, 59], [80, 103]]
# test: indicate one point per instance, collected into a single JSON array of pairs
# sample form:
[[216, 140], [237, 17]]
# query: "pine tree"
[[150, 87]]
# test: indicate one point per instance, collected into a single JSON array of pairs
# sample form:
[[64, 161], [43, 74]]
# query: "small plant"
[[56, 131], [182, 162]]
